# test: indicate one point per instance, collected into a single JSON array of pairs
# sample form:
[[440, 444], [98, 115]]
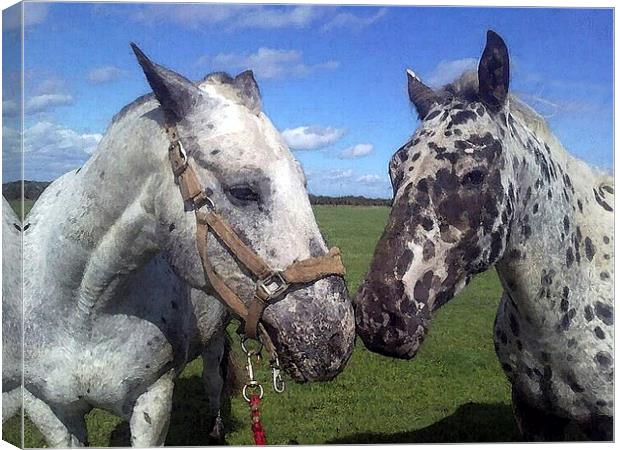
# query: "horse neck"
[[552, 232], [122, 176]]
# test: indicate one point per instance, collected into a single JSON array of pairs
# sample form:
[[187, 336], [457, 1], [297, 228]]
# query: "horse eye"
[[244, 193], [475, 177]]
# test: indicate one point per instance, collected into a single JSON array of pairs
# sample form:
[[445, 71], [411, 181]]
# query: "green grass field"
[[453, 391]]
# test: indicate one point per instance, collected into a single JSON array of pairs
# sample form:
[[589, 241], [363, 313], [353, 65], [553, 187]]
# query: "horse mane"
[[465, 88]]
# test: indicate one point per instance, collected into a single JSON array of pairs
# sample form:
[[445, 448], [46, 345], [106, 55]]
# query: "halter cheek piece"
[[271, 284]]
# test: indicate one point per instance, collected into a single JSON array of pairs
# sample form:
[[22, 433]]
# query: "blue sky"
[[332, 78]]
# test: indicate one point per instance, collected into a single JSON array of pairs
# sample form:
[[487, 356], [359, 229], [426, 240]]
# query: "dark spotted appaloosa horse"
[[483, 182]]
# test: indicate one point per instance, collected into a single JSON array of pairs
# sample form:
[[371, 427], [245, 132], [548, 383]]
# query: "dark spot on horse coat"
[[603, 359], [566, 224], [590, 249], [580, 206], [546, 278], [569, 257], [171, 227], [588, 313], [599, 333], [433, 114], [526, 230], [605, 313], [215, 152], [566, 320], [573, 384], [422, 287], [604, 275], [606, 239], [428, 250], [404, 261], [601, 202]]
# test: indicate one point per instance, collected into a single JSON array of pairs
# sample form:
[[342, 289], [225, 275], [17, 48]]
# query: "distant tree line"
[[353, 200], [33, 189]]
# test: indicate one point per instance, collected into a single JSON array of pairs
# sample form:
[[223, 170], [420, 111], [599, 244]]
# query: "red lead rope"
[[257, 427]]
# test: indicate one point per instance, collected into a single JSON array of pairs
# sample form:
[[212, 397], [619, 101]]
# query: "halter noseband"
[[271, 284]]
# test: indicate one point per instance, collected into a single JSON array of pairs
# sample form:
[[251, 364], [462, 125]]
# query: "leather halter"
[[271, 284]]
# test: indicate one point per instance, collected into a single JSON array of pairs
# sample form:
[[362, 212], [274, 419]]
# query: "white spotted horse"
[[484, 183], [191, 196]]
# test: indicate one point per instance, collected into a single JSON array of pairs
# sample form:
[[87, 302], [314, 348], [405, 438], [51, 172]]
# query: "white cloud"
[[311, 137], [371, 179], [49, 138], [294, 17], [40, 103], [50, 86], [357, 151], [11, 141], [104, 74], [228, 17], [232, 18], [10, 108], [51, 150], [339, 175], [447, 71], [352, 21], [267, 63], [54, 149]]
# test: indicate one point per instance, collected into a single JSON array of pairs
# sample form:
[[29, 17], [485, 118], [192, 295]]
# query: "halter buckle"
[[272, 285], [203, 199]]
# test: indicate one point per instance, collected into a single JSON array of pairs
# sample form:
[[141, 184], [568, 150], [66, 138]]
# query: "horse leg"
[[11, 403], [535, 424], [151, 413], [213, 377], [59, 428]]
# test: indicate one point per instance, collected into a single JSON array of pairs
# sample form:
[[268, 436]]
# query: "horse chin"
[[313, 330], [389, 325]]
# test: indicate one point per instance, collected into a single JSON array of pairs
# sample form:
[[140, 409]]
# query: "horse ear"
[[246, 84], [175, 93], [494, 72], [422, 97]]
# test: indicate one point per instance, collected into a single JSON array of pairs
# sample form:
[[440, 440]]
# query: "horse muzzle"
[[313, 329]]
